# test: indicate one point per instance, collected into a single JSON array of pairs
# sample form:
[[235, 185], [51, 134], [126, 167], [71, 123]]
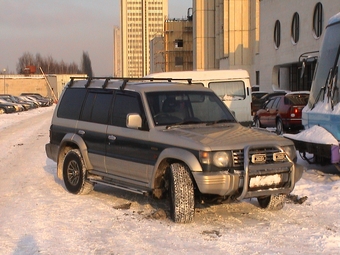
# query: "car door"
[[92, 125], [128, 152], [273, 112], [265, 114]]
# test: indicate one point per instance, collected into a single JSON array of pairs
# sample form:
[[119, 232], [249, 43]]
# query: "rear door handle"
[[112, 137]]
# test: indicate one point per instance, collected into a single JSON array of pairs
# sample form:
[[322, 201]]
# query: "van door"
[[128, 153], [92, 125]]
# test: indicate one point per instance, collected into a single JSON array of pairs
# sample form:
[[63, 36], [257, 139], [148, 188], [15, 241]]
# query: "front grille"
[[238, 155]]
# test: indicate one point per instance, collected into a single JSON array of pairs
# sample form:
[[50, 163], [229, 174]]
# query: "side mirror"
[[133, 120]]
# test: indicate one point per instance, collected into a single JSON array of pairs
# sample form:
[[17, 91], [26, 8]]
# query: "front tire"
[[182, 200], [273, 202], [279, 127], [74, 173]]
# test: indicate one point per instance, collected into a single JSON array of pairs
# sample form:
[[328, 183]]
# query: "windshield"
[[229, 90], [327, 57], [187, 107]]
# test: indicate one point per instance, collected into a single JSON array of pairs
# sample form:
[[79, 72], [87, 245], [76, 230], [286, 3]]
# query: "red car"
[[283, 112]]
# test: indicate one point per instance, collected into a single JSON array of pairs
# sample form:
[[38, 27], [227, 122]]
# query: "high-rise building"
[[141, 21], [226, 34], [117, 62]]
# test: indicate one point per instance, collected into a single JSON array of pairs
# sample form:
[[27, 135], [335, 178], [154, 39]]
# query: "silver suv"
[[166, 139]]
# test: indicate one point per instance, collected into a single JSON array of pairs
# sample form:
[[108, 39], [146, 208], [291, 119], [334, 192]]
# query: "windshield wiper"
[[187, 122], [220, 121]]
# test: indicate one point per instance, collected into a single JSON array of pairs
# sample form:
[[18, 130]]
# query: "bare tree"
[[86, 64], [48, 64]]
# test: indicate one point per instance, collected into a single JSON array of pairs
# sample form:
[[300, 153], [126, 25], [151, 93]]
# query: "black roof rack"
[[125, 80]]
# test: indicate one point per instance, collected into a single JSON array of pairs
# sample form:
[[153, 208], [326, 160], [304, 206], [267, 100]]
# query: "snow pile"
[[315, 134]]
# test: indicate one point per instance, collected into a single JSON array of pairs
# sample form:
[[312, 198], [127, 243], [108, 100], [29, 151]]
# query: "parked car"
[[9, 99], [23, 100], [167, 140], [6, 107], [255, 100], [42, 102], [46, 101], [260, 97], [283, 112], [31, 100]]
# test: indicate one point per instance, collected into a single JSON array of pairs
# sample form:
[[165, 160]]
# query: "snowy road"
[[38, 216]]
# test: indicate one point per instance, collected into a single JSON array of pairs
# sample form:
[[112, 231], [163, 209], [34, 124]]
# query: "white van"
[[232, 86]]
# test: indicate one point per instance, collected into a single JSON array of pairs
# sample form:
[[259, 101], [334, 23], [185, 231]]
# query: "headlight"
[[291, 152], [222, 159], [218, 158]]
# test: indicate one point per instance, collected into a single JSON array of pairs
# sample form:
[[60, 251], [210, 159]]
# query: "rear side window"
[[229, 90], [97, 106], [71, 103]]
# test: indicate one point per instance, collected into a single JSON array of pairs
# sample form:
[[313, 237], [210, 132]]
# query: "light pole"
[[4, 70]]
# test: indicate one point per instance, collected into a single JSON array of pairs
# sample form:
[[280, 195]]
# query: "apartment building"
[[141, 21]]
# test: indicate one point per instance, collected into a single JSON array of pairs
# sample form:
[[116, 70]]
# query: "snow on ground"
[[38, 216]]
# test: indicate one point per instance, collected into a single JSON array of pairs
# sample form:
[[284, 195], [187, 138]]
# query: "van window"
[[229, 90], [96, 107], [71, 102]]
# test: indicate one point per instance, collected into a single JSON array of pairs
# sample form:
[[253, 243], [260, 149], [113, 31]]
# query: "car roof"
[[298, 93], [136, 84]]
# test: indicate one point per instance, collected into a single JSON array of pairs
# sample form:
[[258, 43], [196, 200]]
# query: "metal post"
[[4, 70]]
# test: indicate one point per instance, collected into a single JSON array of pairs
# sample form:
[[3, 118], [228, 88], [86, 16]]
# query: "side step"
[[119, 186]]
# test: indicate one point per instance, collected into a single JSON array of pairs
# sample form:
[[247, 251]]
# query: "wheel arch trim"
[[72, 140]]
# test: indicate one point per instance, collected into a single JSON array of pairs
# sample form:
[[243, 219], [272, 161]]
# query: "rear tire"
[[273, 202], [257, 122], [74, 173], [182, 200]]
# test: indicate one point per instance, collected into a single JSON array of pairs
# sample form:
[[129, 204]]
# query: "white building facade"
[[290, 30]]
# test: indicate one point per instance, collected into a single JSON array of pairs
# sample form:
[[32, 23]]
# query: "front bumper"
[[238, 184]]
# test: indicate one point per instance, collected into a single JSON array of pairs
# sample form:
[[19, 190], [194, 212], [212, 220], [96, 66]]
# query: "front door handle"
[[81, 132]]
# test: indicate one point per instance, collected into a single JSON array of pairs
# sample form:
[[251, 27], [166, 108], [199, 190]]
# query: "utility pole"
[[4, 72]]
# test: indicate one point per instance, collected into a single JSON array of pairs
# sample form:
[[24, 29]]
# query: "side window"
[[229, 90], [125, 103], [269, 104], [71, 103], [96, 107], [276, 103]]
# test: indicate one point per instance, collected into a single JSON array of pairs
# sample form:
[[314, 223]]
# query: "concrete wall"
[[17, 84]]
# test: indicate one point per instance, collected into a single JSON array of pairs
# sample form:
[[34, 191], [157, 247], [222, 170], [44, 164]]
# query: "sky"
[[64, 29], [38, 216]]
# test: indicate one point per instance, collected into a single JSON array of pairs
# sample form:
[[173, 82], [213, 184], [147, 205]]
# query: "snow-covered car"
[[166, 139]]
